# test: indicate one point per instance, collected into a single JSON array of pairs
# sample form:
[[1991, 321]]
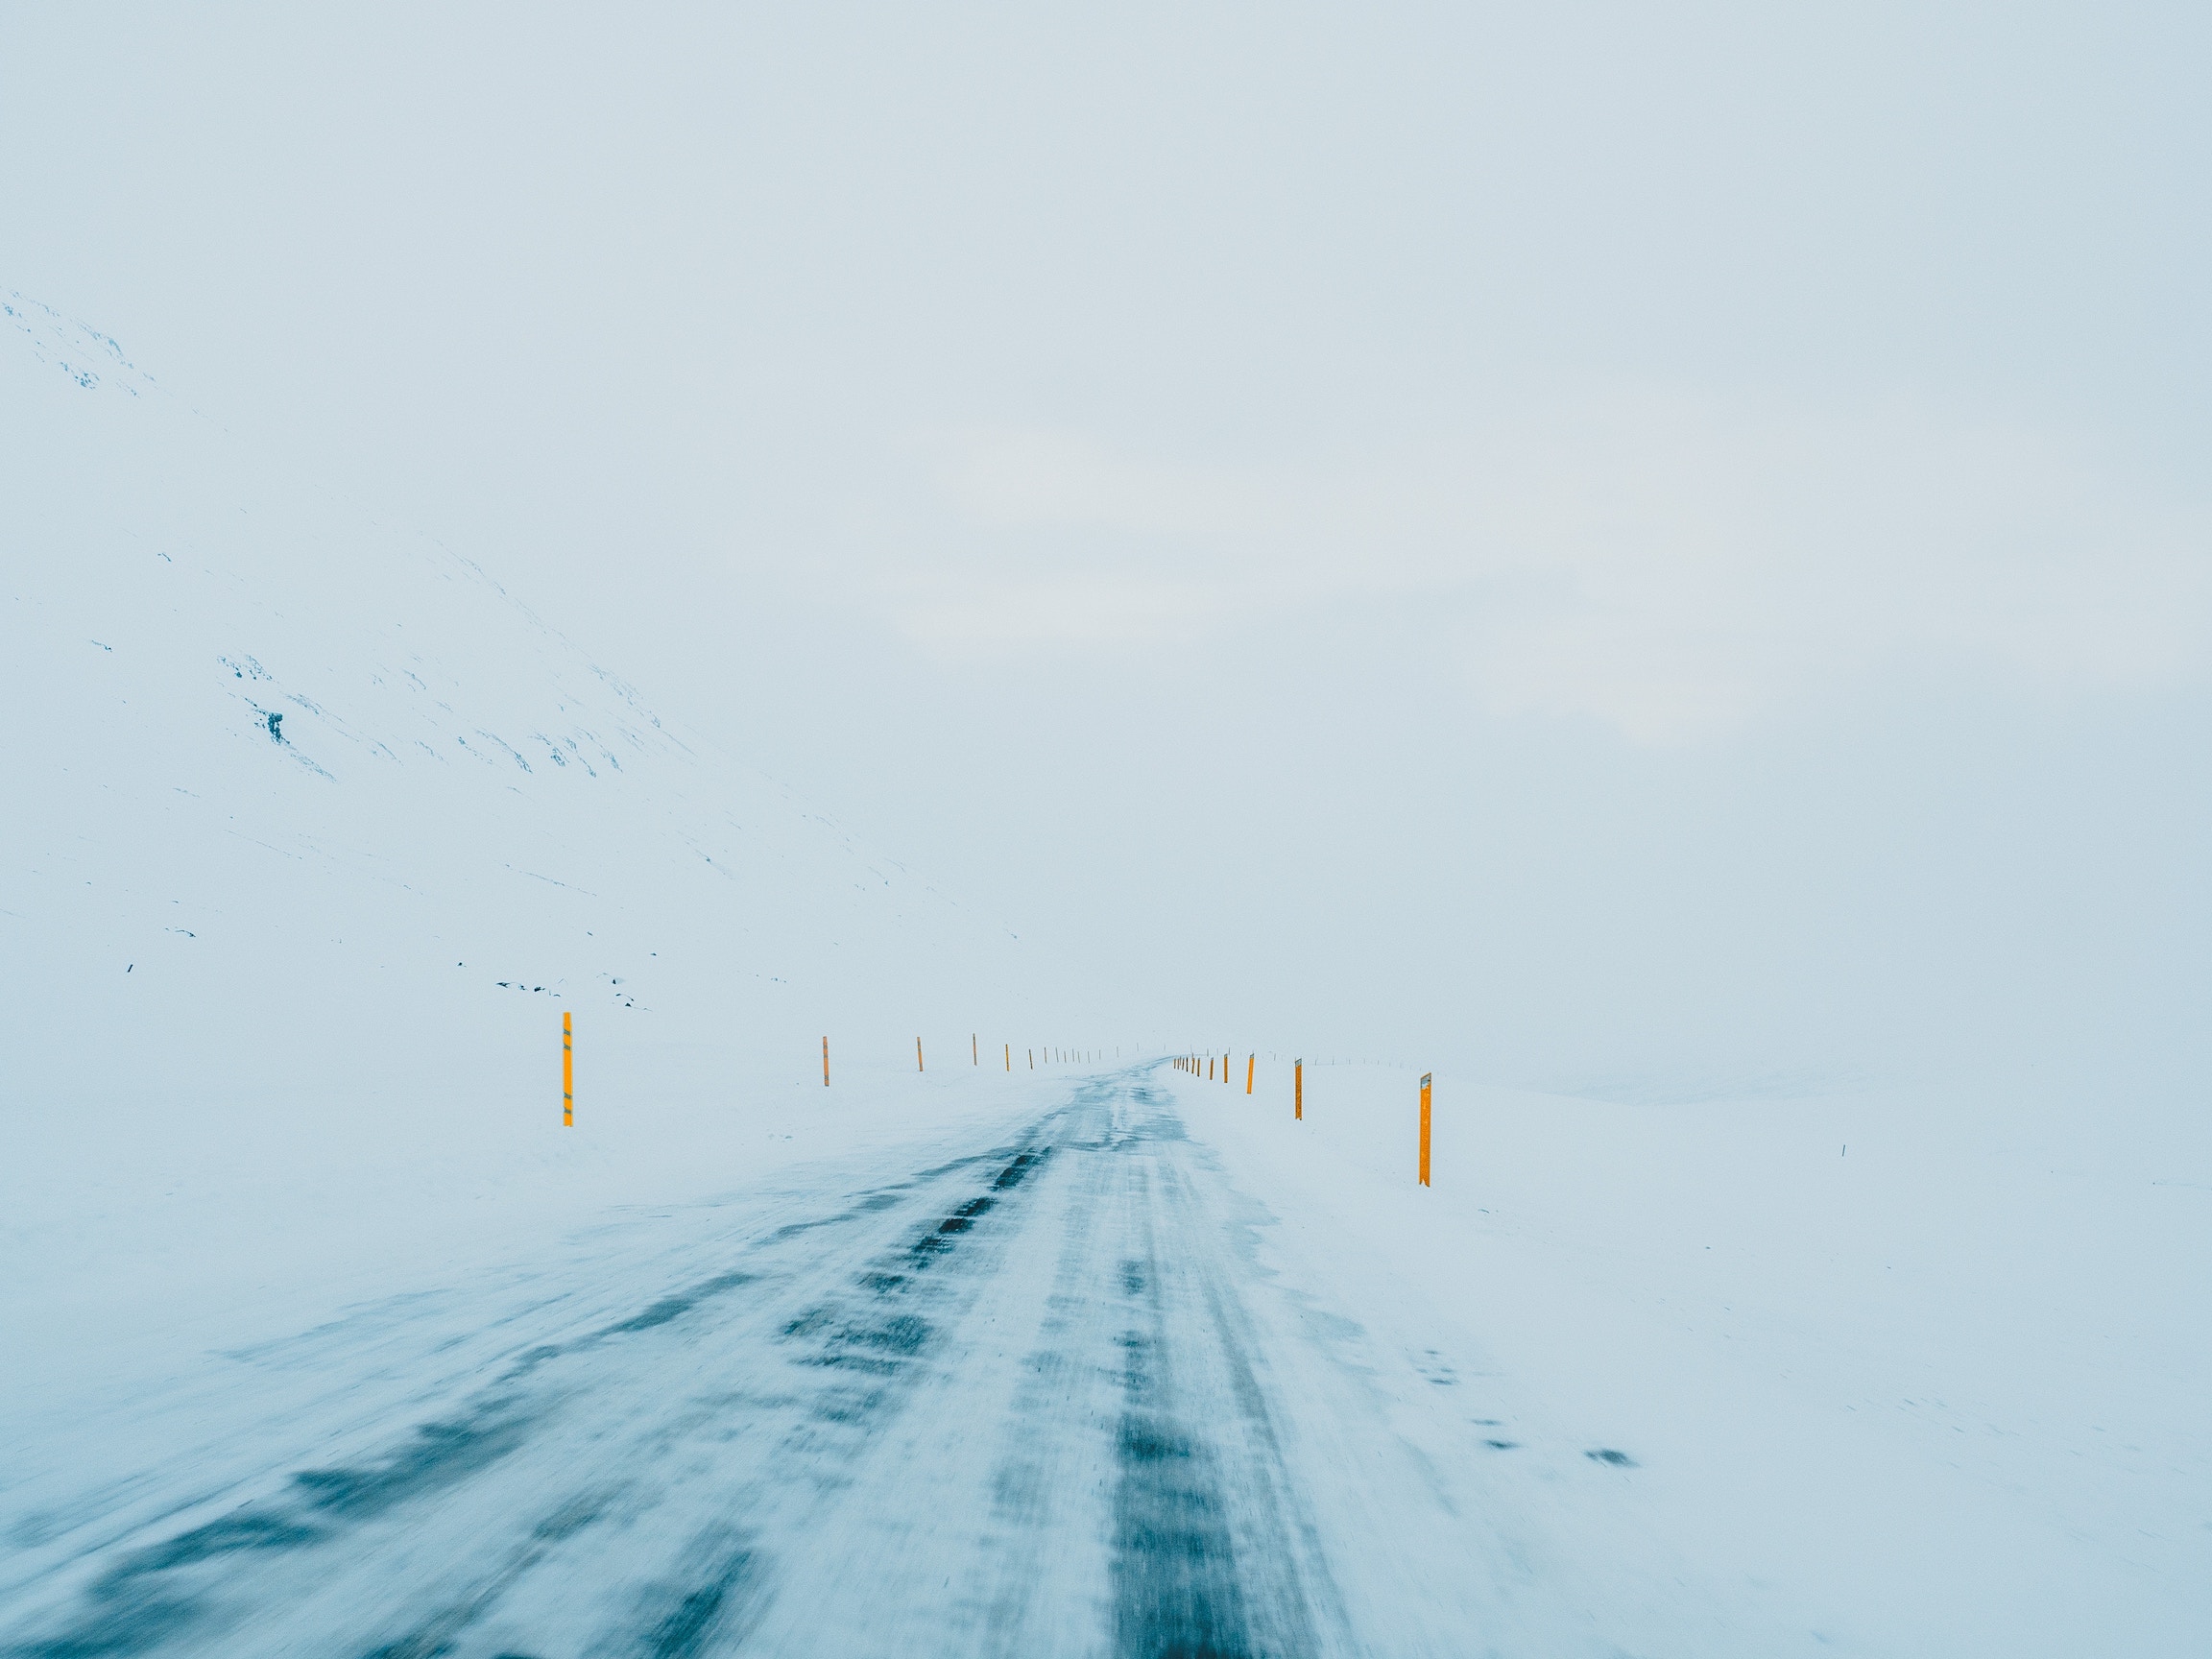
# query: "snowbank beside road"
[[1938, 1393]]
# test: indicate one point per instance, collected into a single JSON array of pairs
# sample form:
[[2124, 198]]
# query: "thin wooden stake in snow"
[[916, 1053], [825, 1062], [1298, 1090], [1424, 1076], [567, 1071]]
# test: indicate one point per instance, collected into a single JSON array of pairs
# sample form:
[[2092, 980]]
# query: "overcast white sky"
[[1603, 542]]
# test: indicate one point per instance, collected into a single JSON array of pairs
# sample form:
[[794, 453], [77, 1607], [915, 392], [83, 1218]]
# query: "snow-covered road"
[[1033, 1396]]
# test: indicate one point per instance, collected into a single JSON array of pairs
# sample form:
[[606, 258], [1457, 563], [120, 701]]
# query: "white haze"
[[1633, 549]]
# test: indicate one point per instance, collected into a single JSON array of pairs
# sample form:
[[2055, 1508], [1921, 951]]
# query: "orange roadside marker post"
[[1298, 1090], [825, 1062], [1424, 1076], [567, 1071], [1251, 1064], [916, 1053], [1009, 1056]]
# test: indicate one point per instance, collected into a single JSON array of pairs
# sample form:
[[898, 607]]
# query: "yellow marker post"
[[1251, 1064], [567, 1071], [1009, 1056], [1298, 1090], [825, 1062], [1424, 1076]]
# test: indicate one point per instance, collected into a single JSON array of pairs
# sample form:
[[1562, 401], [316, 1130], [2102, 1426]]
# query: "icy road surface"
[[1036, 1397]]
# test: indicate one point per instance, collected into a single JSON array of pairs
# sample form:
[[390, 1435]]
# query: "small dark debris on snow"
[[1606, 1455]]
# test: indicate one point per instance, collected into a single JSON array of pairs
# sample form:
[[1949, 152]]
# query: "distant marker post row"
[[1191, 1064]]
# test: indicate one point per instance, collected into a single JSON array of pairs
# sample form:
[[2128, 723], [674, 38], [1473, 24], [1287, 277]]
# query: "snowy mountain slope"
[[310, 831], [298, 795]]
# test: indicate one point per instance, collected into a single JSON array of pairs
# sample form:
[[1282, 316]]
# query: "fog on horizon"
[[1611, 548]]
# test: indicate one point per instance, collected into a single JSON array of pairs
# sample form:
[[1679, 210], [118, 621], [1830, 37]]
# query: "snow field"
[[314, 830], [1930, 1395]]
